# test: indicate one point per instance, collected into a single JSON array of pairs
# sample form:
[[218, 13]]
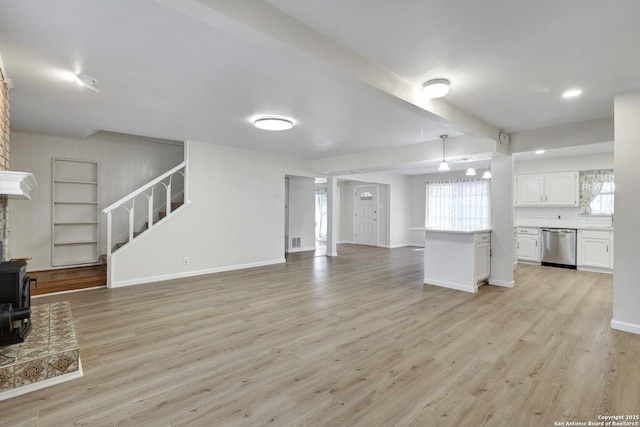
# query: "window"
[[596, 192], [366, 196], [458, 204]]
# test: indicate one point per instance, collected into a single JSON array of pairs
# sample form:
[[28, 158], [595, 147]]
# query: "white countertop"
[[457, 230], [576, 227]]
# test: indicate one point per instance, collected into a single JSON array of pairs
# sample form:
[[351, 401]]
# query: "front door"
[[366, 204]]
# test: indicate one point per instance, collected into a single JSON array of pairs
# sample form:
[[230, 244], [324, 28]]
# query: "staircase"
[[164, 196], [161, 215]]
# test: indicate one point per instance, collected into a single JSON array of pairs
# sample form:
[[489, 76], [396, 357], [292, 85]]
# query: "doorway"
[[366, 215]]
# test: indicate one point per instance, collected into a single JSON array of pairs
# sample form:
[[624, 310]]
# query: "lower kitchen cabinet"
[[595, 249], [483, 256], [528, 244]]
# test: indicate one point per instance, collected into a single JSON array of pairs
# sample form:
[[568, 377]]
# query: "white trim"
[[346, 242], [140, 281], [595, 270], [68, 292], [291, 250], [400, 245], [456, 286], [42, 384], [332, 253], [502, 283], [624, 326]]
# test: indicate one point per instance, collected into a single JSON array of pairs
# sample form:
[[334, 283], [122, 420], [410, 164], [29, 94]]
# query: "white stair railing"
[[128, 202]]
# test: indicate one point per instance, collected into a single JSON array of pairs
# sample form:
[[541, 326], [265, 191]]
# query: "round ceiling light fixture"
[[273, 123], [572, 93], [436, 88]]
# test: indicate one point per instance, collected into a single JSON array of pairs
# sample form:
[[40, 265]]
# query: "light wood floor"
[[356, 340]]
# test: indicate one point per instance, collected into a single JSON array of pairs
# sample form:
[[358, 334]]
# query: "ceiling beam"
[[269, 27]]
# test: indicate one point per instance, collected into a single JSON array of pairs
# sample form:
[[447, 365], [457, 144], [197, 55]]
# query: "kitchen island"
[[457, 258]]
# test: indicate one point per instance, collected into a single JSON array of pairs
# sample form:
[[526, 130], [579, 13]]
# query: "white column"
[[626, 287], [333, 215], [502, 221]]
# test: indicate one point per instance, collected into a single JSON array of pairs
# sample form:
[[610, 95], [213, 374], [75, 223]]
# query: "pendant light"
[[471, 172], [443, 165], [487, 173]]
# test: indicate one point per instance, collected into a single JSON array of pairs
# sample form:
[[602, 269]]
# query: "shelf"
[[79, 242], [75, 199], [66, 181], [74, 203], [75, 262]]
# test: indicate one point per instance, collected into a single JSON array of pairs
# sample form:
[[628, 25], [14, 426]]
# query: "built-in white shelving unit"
[[75, 212]]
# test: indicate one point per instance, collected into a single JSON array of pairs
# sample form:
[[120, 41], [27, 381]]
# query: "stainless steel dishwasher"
[[559, 247]]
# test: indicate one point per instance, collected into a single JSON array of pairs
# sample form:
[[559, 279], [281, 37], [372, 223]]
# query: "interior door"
[[366, 215]]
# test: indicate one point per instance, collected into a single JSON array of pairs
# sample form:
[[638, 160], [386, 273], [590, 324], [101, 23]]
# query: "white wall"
[[626, 286], [393, 207], [561, 217], [300, 220], [126, 163], [232, 221]]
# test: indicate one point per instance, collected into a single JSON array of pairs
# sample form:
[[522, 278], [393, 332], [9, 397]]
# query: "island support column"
[[502, 244], [333, 212]]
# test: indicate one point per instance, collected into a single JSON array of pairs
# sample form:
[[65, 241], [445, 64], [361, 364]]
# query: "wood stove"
[[15, 302]]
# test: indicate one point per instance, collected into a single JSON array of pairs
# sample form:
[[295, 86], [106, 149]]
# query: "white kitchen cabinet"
[[483, 256], [528, 244], [552, 189], [530, 190], [458, 260], [595, 249]]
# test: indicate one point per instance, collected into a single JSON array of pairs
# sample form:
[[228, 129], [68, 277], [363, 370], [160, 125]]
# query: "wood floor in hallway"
[[355, 340]]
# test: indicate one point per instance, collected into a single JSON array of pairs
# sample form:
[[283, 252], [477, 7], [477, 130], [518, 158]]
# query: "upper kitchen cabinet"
[[552, 189]]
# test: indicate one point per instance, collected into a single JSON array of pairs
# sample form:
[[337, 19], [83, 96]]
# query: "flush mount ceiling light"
[[85, 81], [572, 93], [436, 88], [539, 152], [443, 165], [273, 123], [471, 172]]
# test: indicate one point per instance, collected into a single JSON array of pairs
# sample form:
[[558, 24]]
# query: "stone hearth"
[[48, 356]]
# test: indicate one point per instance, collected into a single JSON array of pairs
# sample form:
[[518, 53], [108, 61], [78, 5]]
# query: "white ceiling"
[[346, 71]]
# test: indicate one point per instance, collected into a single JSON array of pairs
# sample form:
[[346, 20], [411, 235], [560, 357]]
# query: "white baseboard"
[[42, 384], [456, 286], [624, 326], [349, 242], [332, 253], [399, 245], [181, 275], [292, 250], [502, 283], [595, 270]]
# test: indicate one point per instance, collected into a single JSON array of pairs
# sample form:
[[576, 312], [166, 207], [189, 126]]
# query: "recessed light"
[[539, 151], [572, 93], [85, 81], [273, 123], [436, 88]]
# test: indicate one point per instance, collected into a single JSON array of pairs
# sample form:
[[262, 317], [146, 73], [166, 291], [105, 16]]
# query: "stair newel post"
[[131, 219], [108, 234]]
